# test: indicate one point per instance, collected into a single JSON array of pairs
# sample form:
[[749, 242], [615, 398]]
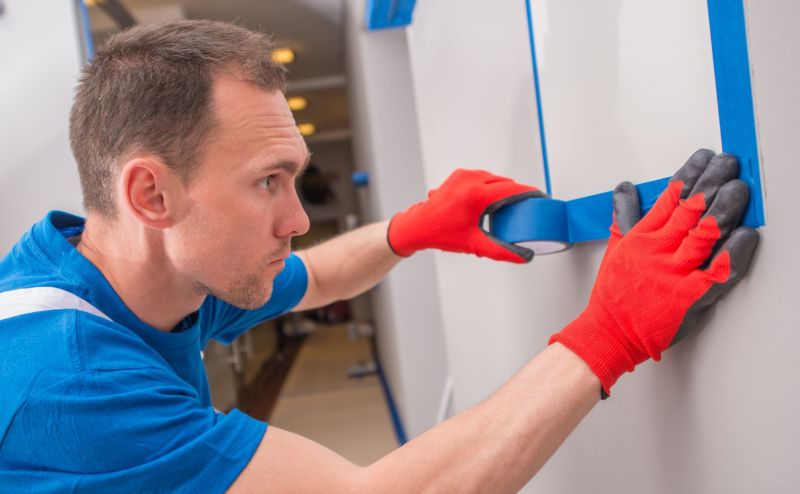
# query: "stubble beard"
[[247, 292]]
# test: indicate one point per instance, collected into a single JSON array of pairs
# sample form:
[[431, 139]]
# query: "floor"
[[319, 400]]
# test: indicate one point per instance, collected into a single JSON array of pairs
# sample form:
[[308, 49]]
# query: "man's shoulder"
[[72, 340], [53, 344], [40, 349]]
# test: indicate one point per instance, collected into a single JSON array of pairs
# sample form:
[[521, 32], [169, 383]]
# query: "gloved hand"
[[451, 218], [660, 275]]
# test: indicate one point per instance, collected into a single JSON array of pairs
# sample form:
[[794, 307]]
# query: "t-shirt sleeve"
[[227, 322], [132, 430]]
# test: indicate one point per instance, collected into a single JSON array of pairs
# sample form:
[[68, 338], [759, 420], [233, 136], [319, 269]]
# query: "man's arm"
[[496, 446], [658, 278], [449, 220], [347, 265]]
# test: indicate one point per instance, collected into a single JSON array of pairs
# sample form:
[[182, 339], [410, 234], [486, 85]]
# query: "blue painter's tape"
[[399, 430], [579, 220], [88, 40], [540, 219], [383, 14], [540, 115], [735, 98], [589, 217], [360, 178]]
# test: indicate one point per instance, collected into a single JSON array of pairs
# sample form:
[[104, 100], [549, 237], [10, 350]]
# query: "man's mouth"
[[280, 259]]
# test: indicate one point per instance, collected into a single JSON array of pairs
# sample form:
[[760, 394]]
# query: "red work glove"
[[661, 274], [451, 218]]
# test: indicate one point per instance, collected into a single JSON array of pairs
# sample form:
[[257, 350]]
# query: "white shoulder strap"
[[28, 300]]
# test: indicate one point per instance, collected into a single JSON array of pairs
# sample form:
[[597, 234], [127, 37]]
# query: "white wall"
[[623, 97], [386, 144], [40, 57], [718, 414]]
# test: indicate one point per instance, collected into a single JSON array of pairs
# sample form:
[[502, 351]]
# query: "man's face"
[[238, 214]]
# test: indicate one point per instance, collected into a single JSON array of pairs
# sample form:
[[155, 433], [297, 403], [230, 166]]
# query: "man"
[[188, 154]]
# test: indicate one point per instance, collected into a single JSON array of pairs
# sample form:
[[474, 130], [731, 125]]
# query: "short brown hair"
[[148, 89]]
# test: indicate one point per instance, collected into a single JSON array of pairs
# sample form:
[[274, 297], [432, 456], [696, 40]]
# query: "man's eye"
[[267, 181]]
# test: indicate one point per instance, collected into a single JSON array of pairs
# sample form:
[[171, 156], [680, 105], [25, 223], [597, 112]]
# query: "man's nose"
[[294, 221]]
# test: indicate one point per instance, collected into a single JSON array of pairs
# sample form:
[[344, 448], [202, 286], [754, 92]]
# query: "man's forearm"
[[347, 265], [499, 444], [496, 446]]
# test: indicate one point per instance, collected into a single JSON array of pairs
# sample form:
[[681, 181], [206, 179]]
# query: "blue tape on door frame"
[[383, 14], [399, 430], [83, 21], [588, 218]]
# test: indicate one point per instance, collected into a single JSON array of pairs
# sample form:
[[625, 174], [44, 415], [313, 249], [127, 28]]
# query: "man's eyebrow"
[[289, 167]]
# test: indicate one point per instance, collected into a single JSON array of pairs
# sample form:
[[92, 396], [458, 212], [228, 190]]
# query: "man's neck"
[[135, 265]]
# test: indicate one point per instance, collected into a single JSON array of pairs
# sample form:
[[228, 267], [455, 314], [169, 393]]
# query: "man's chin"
[[246, 297]]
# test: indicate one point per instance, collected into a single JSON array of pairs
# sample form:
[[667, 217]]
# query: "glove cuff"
[[602, 346], [400, 235]]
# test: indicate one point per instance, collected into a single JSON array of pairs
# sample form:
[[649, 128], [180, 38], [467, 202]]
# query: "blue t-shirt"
[[90, 404]]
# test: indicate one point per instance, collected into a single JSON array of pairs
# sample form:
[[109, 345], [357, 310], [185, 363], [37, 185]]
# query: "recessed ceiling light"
[[297, 103], [283, 56], [306, 128]]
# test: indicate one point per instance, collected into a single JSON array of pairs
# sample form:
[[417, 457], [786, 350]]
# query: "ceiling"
[[312, 28]]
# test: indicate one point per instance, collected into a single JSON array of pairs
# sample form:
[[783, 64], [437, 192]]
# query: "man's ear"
[[145, 184]]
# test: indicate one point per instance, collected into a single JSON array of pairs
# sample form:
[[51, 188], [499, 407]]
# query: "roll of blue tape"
[[548, 234], [544, 224], [536, 219], [538, 222]]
